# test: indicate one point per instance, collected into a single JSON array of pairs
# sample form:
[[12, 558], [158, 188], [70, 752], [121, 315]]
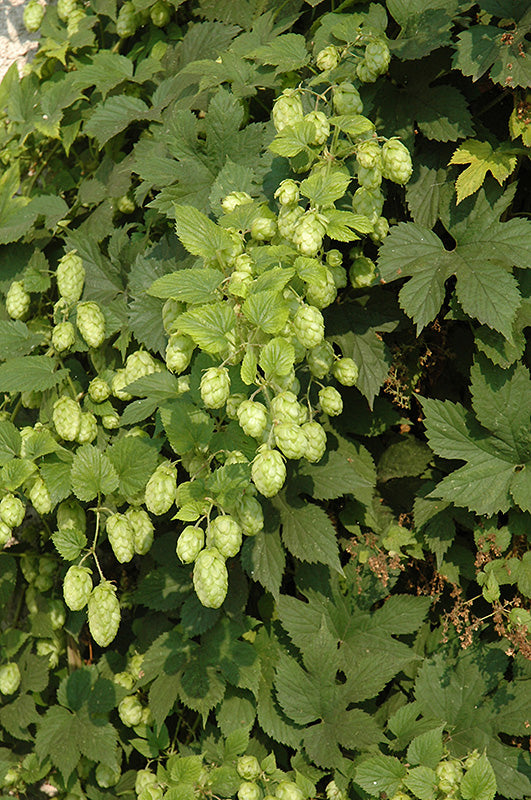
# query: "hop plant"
[[160, 14], [88, 429], [215, 387], [77, 587], [345, 371], [160, 489], [322, 293], [327, 58], [142, 529], [63, 336], [396, 162], [268, 471], [178, 352], [190, 543], [12, 510], [253, 418], [107, 775], [130, 711], [138, 365], [346, 99], [5, 534], [127, 21], [120, 535], [39, 497], [77, 15], [70, 277], [331, 401], [320, 359], [17, 300], [103, 613], [308, 324], [65, 9], [71, 515], [321, 124], [250, 515], [248, 791], [377, 57], [449, 774], [118, 383], [225, 535], [235, 199], [9, 678], [288, 218], [263, 228], [309, 233], [287, 193], [33, 15], [365, 73], [287, 110], [368, 154], [290, 439], [362, 272], [368, 202], [210, 577], [316, 441], [99, 390], [380, 230], [66, 417], [91, 323]]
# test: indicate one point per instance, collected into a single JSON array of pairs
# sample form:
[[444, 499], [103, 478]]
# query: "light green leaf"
[[208, 326], [92, 473], [423, 782], [352, 124], [114, 115], [293, 139], [9, 441], [187, 426], [479, 782], [277, 357], [69, 543], [324, 189], [380, 774], [188, 285], [426, 749], [481, 159], [30, 373], [199, 234], [248, 368], [267, 310], [134, 460]]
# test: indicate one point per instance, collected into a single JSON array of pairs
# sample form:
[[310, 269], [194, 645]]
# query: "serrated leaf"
[[277, 357], [479, 782], [307, 531], [199, 234], [426, 749], [57, 739], [481, 158], [92, 473], [187, 426], [69, 543], [9, 441], [324, 189], [287, 52], [134, 461], [293, 139], [188, 285], [114, 115], [16, 339], [380, 774], [422, 782], [208, 326], [264, 560], [30, 373], [297, 692], [249, 365], [266, 310]]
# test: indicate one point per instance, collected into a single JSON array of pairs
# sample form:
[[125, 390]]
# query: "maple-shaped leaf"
[[502, 50], [495, 443], [481, 158], [484, 254]]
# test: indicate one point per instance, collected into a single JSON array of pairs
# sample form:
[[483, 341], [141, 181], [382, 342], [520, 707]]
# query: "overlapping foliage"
[[265, 430]]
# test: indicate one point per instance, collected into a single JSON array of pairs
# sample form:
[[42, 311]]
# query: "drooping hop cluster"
[[9, 678], [103, 613], [77, 587], [161, 489]]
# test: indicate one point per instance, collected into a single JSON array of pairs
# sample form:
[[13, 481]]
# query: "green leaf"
[[406, 457], [30, 373], [134, 461], [426, 749], [380, 774], [187, 426], [293, 139], [264, 560], [9, 441], [69, 543], [199, 234], [16, 472], [307, 531], [490, 294], [425, 26], [56, 473], [347, 470], [277, 357], [324, 189], [188, 285], [267, 310], [402, 613], [479, 782], [92, 473], [297, 692], [16, 339], [114, 115], [208, 326], [249, 365], [352, 124], [481, 159], [483, 47], [287, 52], [423, 782], [57, 739]]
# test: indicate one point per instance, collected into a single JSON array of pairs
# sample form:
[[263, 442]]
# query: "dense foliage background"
[[191, 198]]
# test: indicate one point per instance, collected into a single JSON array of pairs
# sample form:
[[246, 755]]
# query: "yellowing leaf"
[[481, 159]]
